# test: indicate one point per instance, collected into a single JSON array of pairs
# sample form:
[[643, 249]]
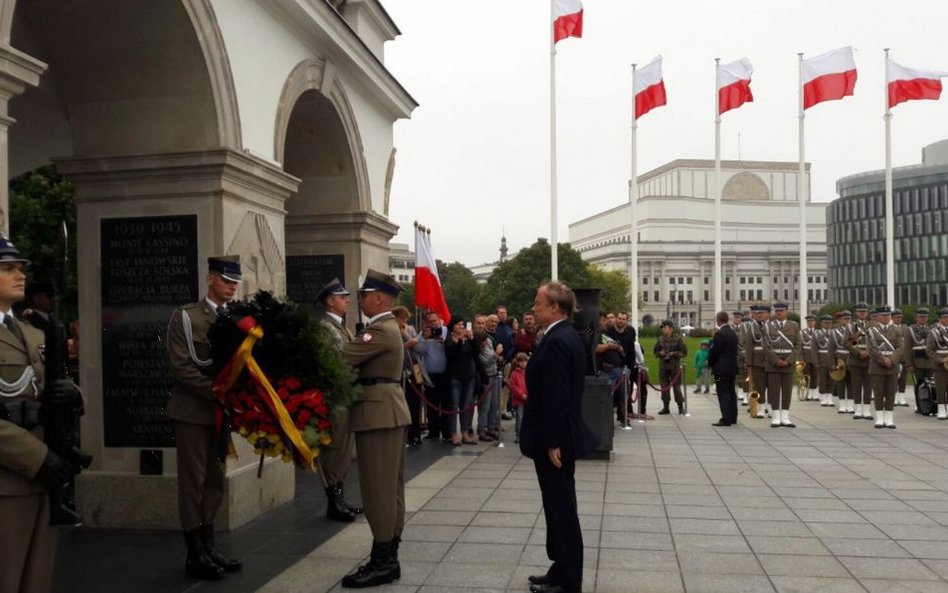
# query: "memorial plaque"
[[307, 274], [149, 268]]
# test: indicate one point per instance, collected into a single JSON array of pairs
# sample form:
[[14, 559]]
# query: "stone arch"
[[310, 91], [745, 186]]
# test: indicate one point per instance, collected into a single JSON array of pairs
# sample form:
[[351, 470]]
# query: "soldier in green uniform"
[[841, 347], [936, 347], [858, 363], [782, 349], [900, 399], [737, 324], [378, 419], [823, 359], [191, 407], [808, 355], [335, 464], [916, 357], [670, 349], [27, 466], [755, 359], [885, 354]]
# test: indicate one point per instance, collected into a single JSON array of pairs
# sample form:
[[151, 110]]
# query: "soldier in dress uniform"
[[937, 350], [809, 369], [916, 357], [841, 347], [824, 359], [782, 348], [191, 407], [885, 352], [335, 463], [755, 359], [378, 419], [670, 349], [858, 363], [27, 466], [900, 400], [737, 324]]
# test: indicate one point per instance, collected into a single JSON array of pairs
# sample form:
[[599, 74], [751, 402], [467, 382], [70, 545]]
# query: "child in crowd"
[[702, 372], [517, 383]]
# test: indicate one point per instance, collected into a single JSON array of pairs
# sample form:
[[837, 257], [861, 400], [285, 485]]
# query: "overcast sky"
[[474, 157]]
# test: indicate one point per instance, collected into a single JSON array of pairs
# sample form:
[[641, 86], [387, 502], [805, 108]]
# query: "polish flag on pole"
[[909, 84], [567, 19], [829, 77], [428, 292], [734, 81], [648, 87]]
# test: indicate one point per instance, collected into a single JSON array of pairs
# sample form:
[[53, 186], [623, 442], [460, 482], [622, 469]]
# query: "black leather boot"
[[394, 559], [354, 509], [335, 505], [380, 569], [227, 564], [198, 564]]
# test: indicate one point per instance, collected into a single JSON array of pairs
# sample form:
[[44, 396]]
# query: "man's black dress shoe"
[[552, 588], [540, 579], [720, 423]]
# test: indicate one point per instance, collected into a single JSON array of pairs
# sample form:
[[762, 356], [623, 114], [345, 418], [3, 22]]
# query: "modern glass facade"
[[855, 237]]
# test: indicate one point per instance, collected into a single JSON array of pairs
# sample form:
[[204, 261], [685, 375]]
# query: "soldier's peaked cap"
[[377, 281], [334, 287], [862, 307], [883, 310], [810, 317], [826, 318], [781, 306], [846, 314], [9, 253], [228, 266], [943, 312], [922, 311], [897, 312]]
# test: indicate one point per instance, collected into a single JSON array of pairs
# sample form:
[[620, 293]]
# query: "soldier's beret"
[[666, 323], [378, 281], [827, 318], [9, 253], [923, 312], [334, 287], [228, 266]]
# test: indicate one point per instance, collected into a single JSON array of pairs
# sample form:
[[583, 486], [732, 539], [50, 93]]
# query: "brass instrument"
[[838, 372], [856, 336], [802, 381], [754, 395]]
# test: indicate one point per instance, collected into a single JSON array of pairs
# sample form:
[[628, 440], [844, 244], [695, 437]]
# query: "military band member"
[[858, 363], [27, 466], [782, 349], [916, 357], [841, 348], [808, 355], [191, 407], [755, 358], [900, 400], [824, 359], [378, 419], [738, 325], [885, 352], [670, 349], [335, 464], [937, 350]]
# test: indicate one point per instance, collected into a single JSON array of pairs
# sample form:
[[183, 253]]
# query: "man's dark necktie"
[[13, 327]]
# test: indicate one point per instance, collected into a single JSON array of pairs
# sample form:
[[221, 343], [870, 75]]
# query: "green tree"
[[40, 201], [460, 288], [616, 292], [407, 296]]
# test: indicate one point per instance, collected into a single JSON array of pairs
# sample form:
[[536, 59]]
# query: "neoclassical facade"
[[191, 128], [675, 223]]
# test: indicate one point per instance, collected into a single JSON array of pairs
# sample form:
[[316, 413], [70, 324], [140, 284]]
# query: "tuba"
[[754, 395], [838, 372], [802, 380]]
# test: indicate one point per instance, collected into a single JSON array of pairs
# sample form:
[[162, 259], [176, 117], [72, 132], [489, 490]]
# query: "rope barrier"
[[442, 411]]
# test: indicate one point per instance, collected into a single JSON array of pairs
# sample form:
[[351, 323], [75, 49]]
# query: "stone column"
[[161, 216], [17, 72]]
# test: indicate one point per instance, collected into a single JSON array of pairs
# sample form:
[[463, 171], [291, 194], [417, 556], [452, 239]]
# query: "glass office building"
[[855, 234]]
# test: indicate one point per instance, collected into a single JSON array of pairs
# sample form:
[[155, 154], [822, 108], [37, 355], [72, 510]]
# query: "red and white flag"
[[734, 81], [908, 84], [567, 19], [428, 292], [648, 87], [829, 76]]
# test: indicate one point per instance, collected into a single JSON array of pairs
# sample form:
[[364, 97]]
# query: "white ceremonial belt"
[[886, 352], [918, 347], [941, 351], [860, 347], [783, 351], [758, 347], [823, 351]]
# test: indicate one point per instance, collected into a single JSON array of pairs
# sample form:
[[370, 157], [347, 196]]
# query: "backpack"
[[925, 402]]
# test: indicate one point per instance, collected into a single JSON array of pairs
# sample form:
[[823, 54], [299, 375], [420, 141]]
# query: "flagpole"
[[633, 230], [889, 207], [802, 190], [718, 275], [554, 262]]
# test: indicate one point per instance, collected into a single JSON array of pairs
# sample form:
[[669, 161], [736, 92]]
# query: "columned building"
[[760, 239], [855, 233], [192, 128]]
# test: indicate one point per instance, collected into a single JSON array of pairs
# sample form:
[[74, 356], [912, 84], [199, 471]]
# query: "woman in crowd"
[[488, 355], [461, 355]]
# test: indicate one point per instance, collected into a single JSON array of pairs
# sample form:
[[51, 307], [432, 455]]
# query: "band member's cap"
[[846, 315], [9, 253], [922, 312], [862, 307], [897, 313], [737, 314], [883, 310], [334, 288], [943, 312], [377, 281], [827, 318], [810, 317], [781, 306], [228, 266]]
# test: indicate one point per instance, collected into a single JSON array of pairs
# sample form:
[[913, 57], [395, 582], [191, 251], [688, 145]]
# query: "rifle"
[[62, 407]]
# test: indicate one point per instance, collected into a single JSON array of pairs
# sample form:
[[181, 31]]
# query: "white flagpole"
[[633, 230], [554, 272], [802, 190], [889, 207], [718, 272]]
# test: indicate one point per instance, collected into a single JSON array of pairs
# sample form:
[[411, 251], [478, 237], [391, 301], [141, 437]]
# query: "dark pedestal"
[[598, 415]]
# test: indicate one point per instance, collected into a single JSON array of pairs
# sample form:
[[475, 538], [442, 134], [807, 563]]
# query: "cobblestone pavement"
[[832, 505]]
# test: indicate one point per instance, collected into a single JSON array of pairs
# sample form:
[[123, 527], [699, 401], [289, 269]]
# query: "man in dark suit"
[[723, 362], [554, 435]]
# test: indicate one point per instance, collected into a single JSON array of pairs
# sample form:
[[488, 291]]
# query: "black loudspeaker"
[[586, 323]]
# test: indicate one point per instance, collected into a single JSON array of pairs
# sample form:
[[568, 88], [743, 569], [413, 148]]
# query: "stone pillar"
[[162, 216], [17, 72]]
